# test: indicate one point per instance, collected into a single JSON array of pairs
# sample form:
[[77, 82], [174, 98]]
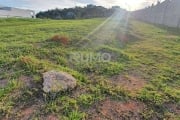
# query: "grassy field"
[[141, 81]]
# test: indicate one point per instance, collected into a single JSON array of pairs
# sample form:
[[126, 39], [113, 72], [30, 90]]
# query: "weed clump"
[[61, 39], [31, 64]]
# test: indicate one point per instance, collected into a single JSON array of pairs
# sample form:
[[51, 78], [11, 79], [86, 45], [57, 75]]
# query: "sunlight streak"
[[107, 31]]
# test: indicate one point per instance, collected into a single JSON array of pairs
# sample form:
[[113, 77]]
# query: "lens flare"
[[108, 30]]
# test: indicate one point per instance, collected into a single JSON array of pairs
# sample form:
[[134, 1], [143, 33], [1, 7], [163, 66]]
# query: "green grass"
[[151, 53]]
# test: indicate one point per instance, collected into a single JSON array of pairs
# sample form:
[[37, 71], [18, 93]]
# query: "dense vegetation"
[[140, 52], [90, 11]]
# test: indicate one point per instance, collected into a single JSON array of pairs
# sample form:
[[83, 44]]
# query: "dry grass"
[[62, 39]]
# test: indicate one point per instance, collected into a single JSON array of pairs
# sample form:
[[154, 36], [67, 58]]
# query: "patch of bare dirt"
[[26, 81], [173, 108], [114, 110], [3, 83], [78, 91], [127, 37], [131, 83], [27, 113], [51, 117]]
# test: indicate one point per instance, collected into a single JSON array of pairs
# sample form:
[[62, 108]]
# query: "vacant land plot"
[[141, 80]]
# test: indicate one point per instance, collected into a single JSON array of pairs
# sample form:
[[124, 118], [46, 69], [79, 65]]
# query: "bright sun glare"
[[131, 4], [128, 4]]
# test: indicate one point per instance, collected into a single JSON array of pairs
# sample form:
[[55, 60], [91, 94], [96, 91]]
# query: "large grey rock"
[[57, 81]]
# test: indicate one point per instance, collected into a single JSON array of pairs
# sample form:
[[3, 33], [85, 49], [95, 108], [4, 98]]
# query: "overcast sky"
[[41, 5]]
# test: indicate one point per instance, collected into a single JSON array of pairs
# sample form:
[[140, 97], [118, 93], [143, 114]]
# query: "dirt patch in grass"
[[51, 117], [131, 83], [26, 81], [59, 38], [127, 37], [79, 91], [115, 110], [3, 83], [27, 113], [173, 108]]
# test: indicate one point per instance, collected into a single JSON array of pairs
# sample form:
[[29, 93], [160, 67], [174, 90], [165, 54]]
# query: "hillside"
[[140, 80]]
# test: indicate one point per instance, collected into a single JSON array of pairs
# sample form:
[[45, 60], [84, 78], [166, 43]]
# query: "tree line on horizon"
[[89, 11]]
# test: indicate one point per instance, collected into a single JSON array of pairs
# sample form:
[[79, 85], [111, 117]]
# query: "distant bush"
[[89, 11], [62, 39]]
